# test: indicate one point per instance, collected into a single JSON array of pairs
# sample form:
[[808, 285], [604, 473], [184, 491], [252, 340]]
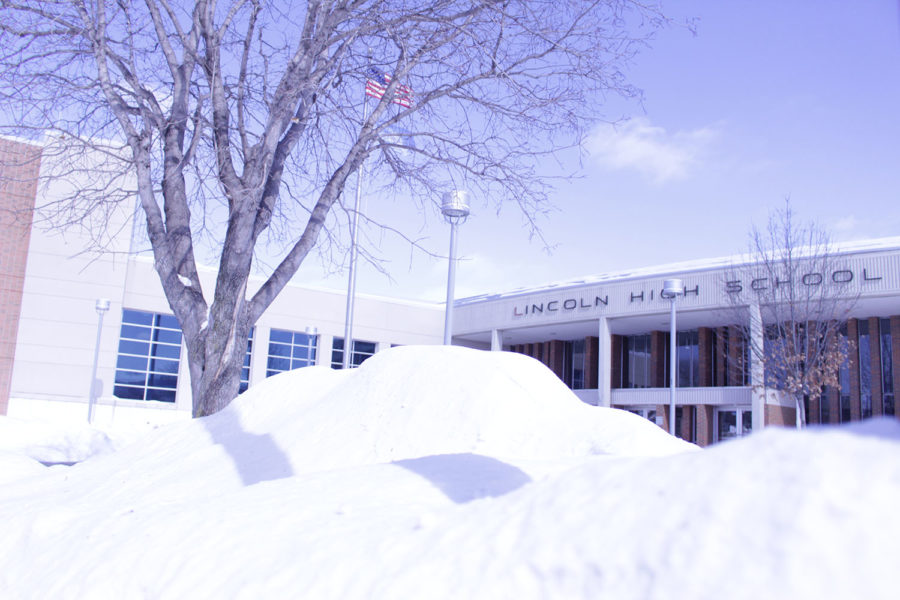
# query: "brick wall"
[[735, 374], [721, 351], [615, 351], [705, 416], [19, 168], [781, 415]]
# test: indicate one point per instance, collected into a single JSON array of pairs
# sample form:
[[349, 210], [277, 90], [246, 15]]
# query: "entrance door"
[[733, 423]]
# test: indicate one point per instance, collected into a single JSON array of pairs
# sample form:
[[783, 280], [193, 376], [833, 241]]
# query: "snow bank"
[[416, 401], [449, 473], [52, 442]]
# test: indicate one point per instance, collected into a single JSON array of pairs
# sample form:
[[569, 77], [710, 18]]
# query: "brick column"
[[705, 416], [615, 350], [734, 376], [687, 413], [833, 397], [662, 411], [722, 356], [555, 357], [20, 166]]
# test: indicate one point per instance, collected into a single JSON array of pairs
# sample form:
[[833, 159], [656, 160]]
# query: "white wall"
[[58, 327], [63, 280]]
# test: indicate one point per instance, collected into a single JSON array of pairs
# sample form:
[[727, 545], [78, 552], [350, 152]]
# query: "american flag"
[[377, 83]]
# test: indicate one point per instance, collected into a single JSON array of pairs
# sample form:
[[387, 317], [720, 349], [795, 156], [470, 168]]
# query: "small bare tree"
[[232, 114], [796, 280]]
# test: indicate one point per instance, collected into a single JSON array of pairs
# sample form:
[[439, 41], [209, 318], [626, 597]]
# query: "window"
[[887, 364], [636, 361], [733, 422], [289, 350], [647, 413], [361, 351], [844, 378], [865, 370], [824, 409], [149, 353], [688, 358], [573, 364], [245, 369], [737, 367]]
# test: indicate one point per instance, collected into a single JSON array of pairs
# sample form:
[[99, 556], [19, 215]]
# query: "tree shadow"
[[256, 457], [466, 477]]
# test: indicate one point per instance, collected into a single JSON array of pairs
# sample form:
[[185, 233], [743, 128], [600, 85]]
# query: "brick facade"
[[705, 417], [591, 366], [784, 416], [721, 355], [19, 169]]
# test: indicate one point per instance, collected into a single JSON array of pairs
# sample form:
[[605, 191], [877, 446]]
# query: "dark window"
[[635, 361], [732, 423], [288, 350], [887, 365], [865, 371], [844, 377], [361, 351], [577, 365], [245, 368], [688, 358], [149, 354]]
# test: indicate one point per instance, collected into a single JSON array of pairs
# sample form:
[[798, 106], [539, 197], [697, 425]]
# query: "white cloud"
[[638, 144]]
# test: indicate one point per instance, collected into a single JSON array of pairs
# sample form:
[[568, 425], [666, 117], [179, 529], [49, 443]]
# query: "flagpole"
[[354, 251]]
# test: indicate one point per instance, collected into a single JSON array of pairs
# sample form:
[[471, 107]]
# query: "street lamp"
[[672, 288], [101, 307], [455, 208]]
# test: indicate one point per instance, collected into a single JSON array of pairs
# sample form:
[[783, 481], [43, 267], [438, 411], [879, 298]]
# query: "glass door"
[[733, 422]]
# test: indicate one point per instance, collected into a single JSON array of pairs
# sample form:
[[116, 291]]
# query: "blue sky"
[[770, 99]]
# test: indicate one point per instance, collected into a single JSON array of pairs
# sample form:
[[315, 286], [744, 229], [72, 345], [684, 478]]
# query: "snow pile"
[[434, 400], [52, 442], [451, 473]]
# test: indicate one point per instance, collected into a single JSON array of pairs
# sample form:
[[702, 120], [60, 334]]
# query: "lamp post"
[[455, 208], [101, 307], [672, 288]]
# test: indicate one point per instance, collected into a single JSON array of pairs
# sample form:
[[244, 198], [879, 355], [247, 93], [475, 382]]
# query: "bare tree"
[[253, 110], [804, 296]]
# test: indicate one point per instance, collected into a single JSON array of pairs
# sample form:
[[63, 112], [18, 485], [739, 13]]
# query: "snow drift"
[[451, 473]]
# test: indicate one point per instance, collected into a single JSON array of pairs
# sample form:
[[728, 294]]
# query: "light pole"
[[455, 208], [672, 288], [101, 307]]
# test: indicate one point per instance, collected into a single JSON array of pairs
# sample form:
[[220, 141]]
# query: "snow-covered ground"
[[435, 472]]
